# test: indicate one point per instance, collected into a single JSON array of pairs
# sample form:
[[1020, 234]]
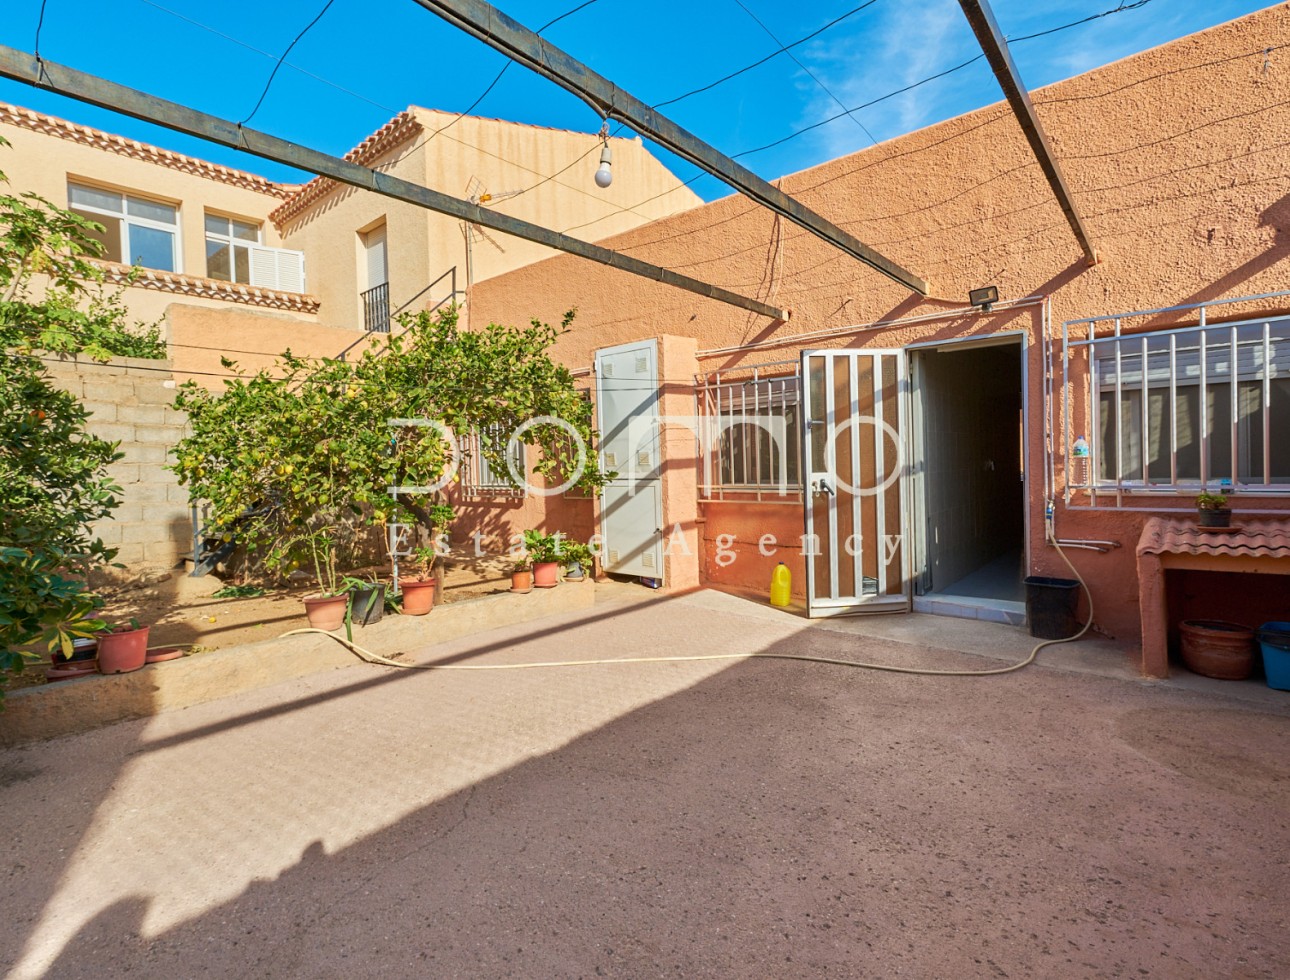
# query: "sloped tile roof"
[[38, 122], [1249, 539], [397, 131]]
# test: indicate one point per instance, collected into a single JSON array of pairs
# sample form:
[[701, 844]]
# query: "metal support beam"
[[22, 67], [995, 47], [517, 42]]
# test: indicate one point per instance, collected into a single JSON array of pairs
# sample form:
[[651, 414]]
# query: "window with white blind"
[[136, 231], [234, 254]]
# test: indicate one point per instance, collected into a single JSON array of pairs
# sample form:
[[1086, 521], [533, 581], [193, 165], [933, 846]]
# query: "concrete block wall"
[[130, 402]]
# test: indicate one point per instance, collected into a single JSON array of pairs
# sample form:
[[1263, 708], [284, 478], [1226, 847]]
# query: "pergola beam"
[[22, 67], [995, 48], [490, 25]]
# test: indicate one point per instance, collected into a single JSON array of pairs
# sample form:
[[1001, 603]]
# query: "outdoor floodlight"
[[985, 297]]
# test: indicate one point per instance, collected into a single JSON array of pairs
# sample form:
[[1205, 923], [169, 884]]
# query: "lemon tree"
[[305, 447]]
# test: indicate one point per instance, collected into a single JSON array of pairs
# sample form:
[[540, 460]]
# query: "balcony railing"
[[376, 309]]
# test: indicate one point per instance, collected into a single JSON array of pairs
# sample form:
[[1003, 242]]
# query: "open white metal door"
[[856, 546]]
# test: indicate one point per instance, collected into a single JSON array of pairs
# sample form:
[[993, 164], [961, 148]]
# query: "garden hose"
[[374, 658]]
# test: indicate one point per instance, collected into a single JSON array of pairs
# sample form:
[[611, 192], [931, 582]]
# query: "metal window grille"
[[750, 433], [492, 478], [1179, 410]]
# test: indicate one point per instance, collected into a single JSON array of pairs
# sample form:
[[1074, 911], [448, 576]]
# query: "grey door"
[[631, 511]]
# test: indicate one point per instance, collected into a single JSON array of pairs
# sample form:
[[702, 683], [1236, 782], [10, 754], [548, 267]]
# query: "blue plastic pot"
[[1274, 642]]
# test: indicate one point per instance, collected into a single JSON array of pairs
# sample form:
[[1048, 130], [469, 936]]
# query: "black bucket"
[[367, 604], [1050, 607]]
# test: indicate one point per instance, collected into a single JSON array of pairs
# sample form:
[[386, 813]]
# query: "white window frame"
[[127, 219], [233, 243], [734, 406], [1197, 358], [481, 479]]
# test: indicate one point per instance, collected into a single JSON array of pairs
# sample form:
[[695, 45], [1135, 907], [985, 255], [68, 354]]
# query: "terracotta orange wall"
[[1176, 157]]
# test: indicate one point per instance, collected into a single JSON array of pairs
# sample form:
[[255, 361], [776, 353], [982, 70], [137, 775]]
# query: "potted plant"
[[1213, 510], [418, 589], [326, 611], [579, 561], [544, 552], [366, 600], [123, 648], [522, 576]]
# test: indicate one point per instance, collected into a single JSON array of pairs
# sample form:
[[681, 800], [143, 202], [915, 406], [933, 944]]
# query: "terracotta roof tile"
[[38, 122], [1252, 538], [397, 131]]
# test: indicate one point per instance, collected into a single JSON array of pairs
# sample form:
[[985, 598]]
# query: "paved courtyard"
[[745, 818]]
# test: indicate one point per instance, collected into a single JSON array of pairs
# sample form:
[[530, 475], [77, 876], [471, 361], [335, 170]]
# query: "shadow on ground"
[[765, 818]]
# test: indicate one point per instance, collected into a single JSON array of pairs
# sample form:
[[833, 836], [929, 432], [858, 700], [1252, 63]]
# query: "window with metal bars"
[[751, 435], [1200, 406], [491, 477]]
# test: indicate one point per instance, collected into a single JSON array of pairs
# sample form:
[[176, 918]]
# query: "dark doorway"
[[970, 403]]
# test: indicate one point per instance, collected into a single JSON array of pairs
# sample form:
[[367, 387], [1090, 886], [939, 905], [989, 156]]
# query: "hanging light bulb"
[[604, 175]]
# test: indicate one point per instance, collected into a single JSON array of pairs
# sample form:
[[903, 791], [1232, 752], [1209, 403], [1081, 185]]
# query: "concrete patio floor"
[[745, 818]]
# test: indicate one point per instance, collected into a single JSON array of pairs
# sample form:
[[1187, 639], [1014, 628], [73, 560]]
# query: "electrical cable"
[[930, 78], [40, 23], [274, 74], [949, 71], [374, 658], [491, 85], [815, 78], [761, 61]]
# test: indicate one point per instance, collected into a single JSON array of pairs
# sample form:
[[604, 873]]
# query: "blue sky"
[[378, 56]]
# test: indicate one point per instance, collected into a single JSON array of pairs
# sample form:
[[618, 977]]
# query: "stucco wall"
[[1176, 157], [200, 337], [445, 153]]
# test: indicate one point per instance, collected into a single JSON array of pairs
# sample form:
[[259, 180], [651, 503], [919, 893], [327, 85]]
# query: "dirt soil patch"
[[184, 612]]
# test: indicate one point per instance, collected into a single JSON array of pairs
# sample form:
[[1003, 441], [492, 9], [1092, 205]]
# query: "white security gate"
[[631, 512], [856, 549]]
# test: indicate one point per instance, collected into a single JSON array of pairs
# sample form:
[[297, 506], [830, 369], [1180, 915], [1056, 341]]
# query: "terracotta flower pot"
[[522, 581], [418, 597], [546, 574], [1213, 648], [326, 612], [123, 651], [68, 670]]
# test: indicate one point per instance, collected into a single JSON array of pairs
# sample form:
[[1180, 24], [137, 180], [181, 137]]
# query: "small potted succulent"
[[1213, 510], [522, 576], [418, 589]]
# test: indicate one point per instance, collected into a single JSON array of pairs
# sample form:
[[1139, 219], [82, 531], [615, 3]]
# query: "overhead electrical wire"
[[491, 85], [382, 106], [40, 23], [815, 78], [278, 65], [1123, 7], [931, 78], [783, 49]]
